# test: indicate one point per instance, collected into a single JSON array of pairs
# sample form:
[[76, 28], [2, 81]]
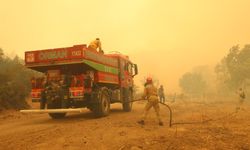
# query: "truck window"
[[130, 68]]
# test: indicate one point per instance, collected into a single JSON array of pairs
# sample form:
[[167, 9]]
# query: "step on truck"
[[76, 77]]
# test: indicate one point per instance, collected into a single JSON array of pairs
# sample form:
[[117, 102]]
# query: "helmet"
[[149, 80]]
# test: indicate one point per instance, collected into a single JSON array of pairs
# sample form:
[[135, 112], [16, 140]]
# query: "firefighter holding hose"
[[150, 93]]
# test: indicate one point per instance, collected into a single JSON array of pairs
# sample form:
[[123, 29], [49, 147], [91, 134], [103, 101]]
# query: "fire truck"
[[77, 77]]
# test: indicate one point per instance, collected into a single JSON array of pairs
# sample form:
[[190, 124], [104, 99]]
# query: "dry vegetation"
[[228, 129], [14, 83]]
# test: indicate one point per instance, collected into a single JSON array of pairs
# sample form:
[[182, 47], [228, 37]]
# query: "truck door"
[[126, 73], [129, 73], [122, 73]]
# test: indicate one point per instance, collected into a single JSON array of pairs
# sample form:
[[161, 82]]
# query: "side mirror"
[[135, 70]]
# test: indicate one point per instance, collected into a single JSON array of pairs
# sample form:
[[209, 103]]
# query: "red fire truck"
[[77, 77]]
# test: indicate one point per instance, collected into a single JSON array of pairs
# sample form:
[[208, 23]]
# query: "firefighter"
[[161, 94], [96, 44], [65, 84], [150, 93], [242, 97], [43, 92], [63, 91]]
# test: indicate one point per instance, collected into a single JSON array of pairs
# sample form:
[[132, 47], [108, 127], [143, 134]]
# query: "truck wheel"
[[127, 105], [55, 105], [102, 105]]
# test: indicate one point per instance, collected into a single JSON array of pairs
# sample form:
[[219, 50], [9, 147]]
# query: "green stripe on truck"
[[101, 67]]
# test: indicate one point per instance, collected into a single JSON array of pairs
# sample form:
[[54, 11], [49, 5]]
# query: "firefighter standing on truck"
[[96, 44], [150, 93]]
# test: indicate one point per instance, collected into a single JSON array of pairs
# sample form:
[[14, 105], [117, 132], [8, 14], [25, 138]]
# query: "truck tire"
[[127, 105], [102, 103], [55, 105]]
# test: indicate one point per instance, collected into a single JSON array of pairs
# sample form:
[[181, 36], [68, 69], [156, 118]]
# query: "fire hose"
[[171, 123], [169, 108]]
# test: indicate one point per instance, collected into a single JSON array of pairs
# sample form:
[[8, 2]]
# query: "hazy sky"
[[165, 38]]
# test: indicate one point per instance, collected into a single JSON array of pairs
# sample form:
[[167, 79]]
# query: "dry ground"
[[119, 131]]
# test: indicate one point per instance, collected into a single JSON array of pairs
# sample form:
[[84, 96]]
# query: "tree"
[[233, 71], [192, 83], [1, 54], [14, 82]]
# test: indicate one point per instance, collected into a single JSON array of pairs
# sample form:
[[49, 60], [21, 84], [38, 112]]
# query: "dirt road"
[[120, 131]]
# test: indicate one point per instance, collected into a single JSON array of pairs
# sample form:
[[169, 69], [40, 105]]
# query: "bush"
[[14, 83]]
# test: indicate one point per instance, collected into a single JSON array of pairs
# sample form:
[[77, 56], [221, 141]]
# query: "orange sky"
[[165, 38]]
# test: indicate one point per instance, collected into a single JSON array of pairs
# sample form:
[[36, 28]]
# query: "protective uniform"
[[161, 94], [96, 44], [43, 93], [241, 96], [150, 93]]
